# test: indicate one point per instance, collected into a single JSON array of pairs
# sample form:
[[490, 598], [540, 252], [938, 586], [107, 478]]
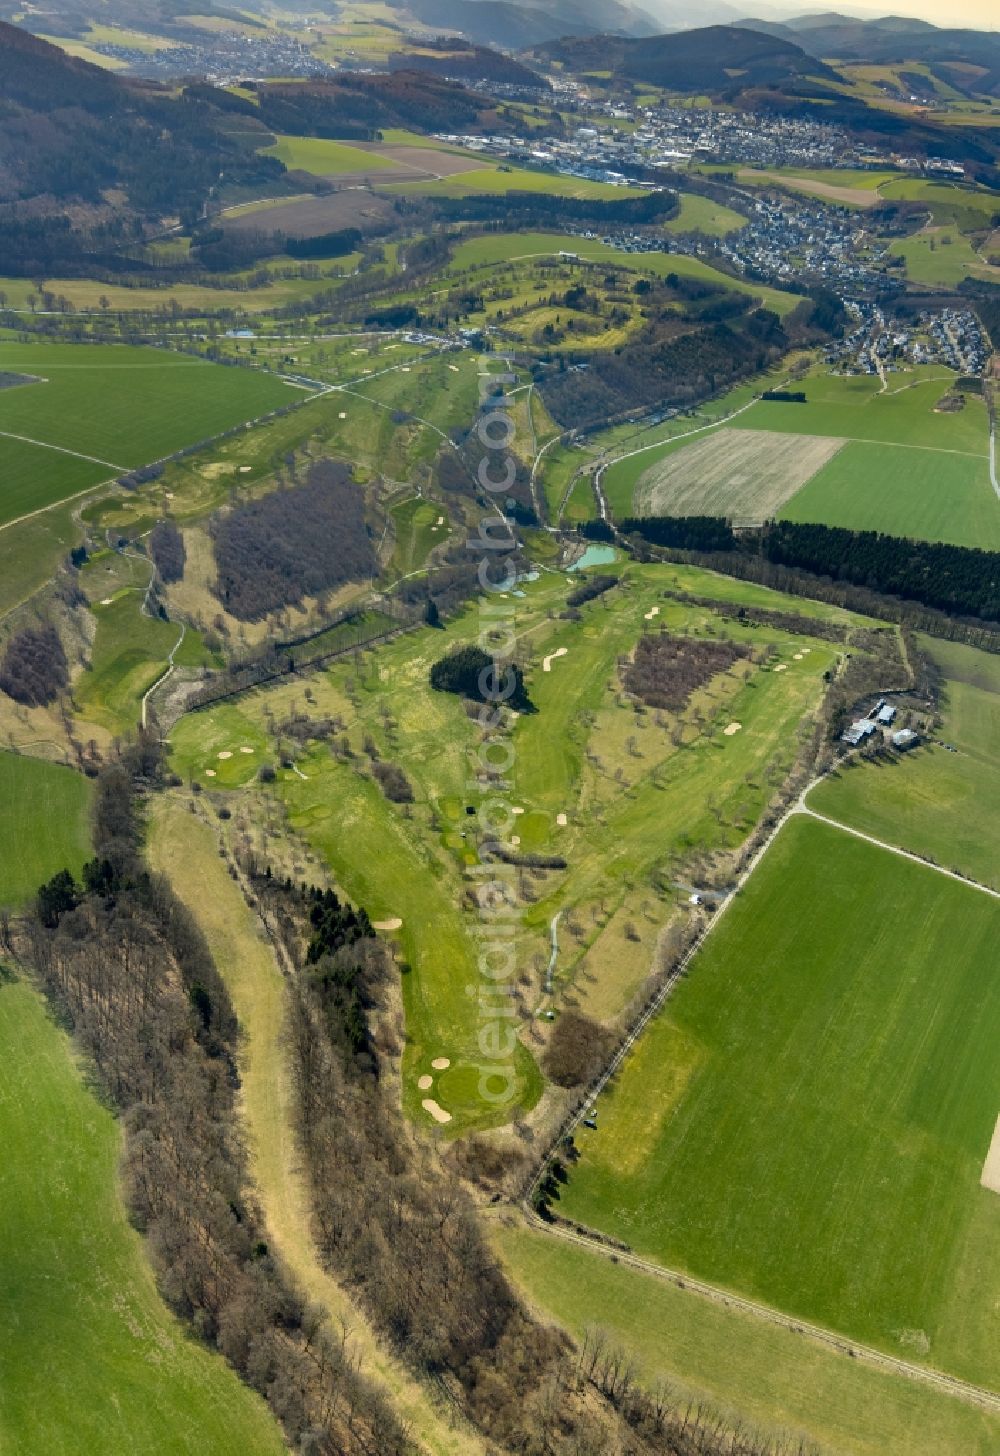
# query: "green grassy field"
[[787, 1386], [32, 477], [941, 258], [325, 158], [93, 1360], [702, 215], [923, 493], [417, 533], [127, 406], [854, 408], [842, 1183], [231, 292], [620, 479], [44, 826], [930, 801], [517, 179], [31, 551], [129, 653]]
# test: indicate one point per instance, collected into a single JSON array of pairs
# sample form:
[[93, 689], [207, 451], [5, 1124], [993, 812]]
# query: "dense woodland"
[[957, 580], [34, 670], [951, 578], [57, 160], [473, 674], [358, 106], [671, 364], [302, 541], [666, 671], [166, 546]]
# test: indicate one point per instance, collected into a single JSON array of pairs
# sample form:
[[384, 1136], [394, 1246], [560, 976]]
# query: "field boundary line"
[[803, 808], [951, 1384], [43, 510], [62, 450], [659, 444]]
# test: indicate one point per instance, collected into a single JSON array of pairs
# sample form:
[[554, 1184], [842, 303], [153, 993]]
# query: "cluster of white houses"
[[881, 718]]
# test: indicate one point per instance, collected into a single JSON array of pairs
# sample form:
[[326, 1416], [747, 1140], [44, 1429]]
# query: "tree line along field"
[[847, 995], [932, 801], [786, 1386], [899, 467], [122, 406], [646, 786]]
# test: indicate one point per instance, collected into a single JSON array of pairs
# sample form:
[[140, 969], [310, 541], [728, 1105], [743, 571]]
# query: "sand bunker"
[[245, 469], [342, 415], [226, 753], [783, 667], [106, 601], [245, 748], [653, 612], [392, 924], [561, 820], [210, 773], [453, 368], [441, 1064], [548, 661], [991, 1168], [515, 841], [425, 1082], [797, 656], [733, 728], [518, 810], [436, 1110], [440, 520]]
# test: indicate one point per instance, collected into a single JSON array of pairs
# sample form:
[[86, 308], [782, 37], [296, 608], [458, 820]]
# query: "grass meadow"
[[93, 1360], [842, 1183], [941, 257], [126, 406], [928, 494], [420, 525], [701, 215], [489, 251], [32, 550], [32, 477], [855, 408], [129, 654], [500, 180], [931, 801], [621, 479], [45, 825], [787, 1386], [325, 158]]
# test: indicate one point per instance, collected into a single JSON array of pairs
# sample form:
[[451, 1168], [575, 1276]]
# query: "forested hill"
[[86, 157], [712, 59]]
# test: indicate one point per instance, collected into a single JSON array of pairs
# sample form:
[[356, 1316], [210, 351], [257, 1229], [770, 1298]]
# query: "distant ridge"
[[715, 58]]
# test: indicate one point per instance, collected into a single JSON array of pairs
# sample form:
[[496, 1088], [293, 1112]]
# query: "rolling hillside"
[[716, 58]]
